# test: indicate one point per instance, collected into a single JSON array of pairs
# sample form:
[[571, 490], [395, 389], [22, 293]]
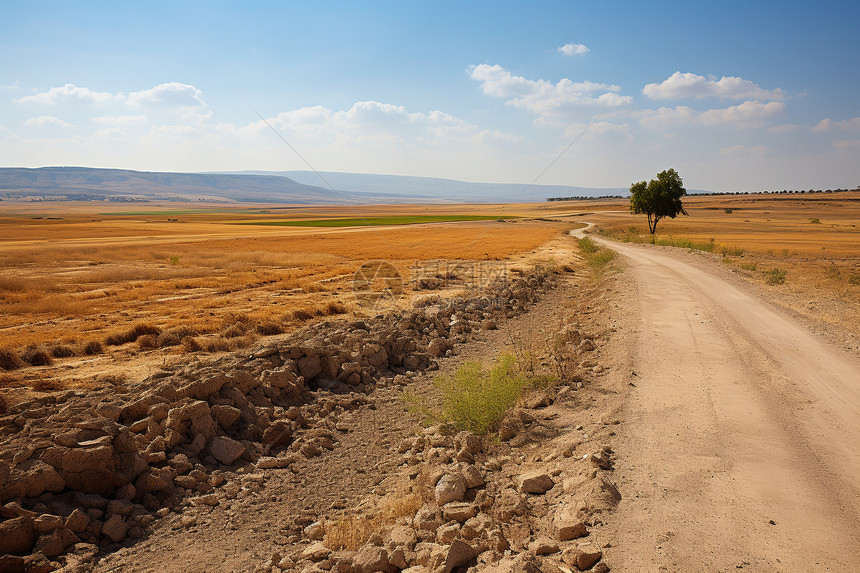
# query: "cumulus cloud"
[[378, 122], [686, 85], [168, 95], [828, 124], [573, 49], [47, 120], [546, 99], [120, 120], [69, 93], [847, 144], [747, 114]]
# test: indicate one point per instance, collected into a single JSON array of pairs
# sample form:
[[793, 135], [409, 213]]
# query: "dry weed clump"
[[173, 336], [302, 314], [9, 360], [62, 351], [270, 328], [190, 344], [4, 405], [132, 334], [216, 344], [334, 307], [351, 532], [92, 348], [37, 356], [147, 342]]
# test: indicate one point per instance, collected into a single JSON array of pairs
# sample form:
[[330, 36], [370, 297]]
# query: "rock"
[[187, 482], [397, 559], [370, 559], [278, 434], [602, 460], [78, 521], [459, 554], [473, 477], [426, 519], [582, 556], [459, 511], [30, 478], [309, 367], [489, 324], [11, 564], [202, 389], [316, 552], [225, 415], [536, 483], [267, 463], [568, 527], [38, 563], [452, 487], [115, 528], [587, 345], [447, 533], [544, 546], [121, 507], [226, 450], [17, 536], [47, 523], [315, 531], [402, 537], [55, 543]]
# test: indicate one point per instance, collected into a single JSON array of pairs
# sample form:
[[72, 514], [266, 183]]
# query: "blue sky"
[[734, 95]]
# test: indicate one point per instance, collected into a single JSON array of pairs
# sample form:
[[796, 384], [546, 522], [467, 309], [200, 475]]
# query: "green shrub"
[[815, 221], [587, 245], [596, 256], [475, 399], [775, 277]]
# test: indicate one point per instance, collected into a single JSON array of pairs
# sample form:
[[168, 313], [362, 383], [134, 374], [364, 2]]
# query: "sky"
[[735, 96]]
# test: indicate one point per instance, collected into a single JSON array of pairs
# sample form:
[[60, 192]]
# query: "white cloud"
[[601, 129], [743, 150], [546, 99], [828, 124], [573, 49], [47, 120], [68, 93], [747, 114], [120, 120], [168, 95], [686, 85]]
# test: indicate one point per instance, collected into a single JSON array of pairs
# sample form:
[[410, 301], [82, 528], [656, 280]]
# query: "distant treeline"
[[714, 193], [583, 198]]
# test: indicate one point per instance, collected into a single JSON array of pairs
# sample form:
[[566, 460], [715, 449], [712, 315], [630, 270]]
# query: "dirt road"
[[741, 437]]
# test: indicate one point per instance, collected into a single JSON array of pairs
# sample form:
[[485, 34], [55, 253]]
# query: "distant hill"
[[432, 188], [84, 183]]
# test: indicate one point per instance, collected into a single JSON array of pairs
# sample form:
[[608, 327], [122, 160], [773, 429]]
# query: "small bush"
[[749, 266], [728, 211], [775, 277], [173, 336], [815, 221], [190, 344], [216, 344], [62, 351], [139, 330], [334, 307], [37, 356], [476, 400], [269, 328], [854, 279], [731, 251], [234, 330], [4, 405], [587, 245], [92, 348], [302, 314], [147, 342], [10, 360]]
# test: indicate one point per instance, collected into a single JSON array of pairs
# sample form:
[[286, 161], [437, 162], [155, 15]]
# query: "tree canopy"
[[658, 198]]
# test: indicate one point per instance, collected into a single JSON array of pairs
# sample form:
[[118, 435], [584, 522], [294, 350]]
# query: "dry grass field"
[[92, 293], [803, 249]]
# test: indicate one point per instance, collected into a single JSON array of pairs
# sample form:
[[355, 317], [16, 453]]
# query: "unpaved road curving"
[[740, 447]]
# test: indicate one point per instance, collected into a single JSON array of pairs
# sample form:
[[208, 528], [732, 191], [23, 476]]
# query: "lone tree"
[[658, 198]]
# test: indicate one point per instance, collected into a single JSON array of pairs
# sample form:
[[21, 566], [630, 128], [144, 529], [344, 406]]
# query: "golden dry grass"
[[90, 276]]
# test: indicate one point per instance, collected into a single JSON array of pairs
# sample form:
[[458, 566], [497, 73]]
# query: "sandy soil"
[[741, 433]]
